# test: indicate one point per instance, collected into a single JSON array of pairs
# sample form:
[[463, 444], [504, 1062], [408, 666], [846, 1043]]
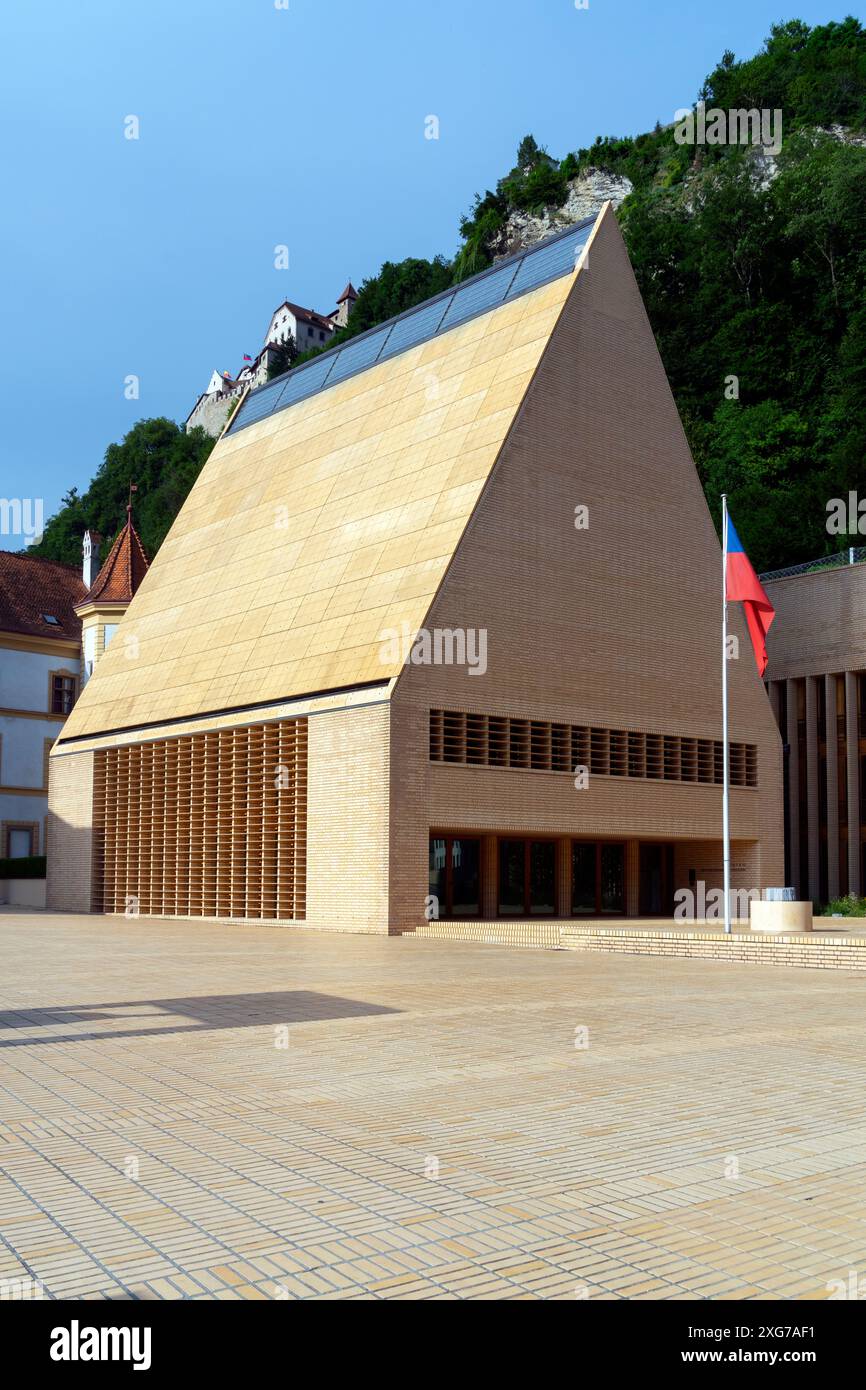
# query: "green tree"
[[283, 357], [399, 285], [161, 458], [528, 152]]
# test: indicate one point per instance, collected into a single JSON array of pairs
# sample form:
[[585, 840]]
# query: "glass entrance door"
[[465, 877], [455, 875], [583, 878], [542, 878], [656, 897], [527, 878], [597, 878], [512, 878]]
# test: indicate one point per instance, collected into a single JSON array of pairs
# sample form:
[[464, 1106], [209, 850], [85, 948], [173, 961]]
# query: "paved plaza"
[[202, 1111]]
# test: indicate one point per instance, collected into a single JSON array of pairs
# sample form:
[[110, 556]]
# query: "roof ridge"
[[280, 393]]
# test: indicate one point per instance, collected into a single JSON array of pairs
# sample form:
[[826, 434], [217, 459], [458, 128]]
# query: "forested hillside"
[[753, 270], [163, 461]]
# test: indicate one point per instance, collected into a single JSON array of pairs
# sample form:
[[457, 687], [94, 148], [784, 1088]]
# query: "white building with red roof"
[[55, 622], [40, 675], [306, 328], [309, 329]]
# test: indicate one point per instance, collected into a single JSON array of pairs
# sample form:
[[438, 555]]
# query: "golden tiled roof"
[[313, 532]]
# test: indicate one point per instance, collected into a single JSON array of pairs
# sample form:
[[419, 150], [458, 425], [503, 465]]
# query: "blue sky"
[[261, 126]]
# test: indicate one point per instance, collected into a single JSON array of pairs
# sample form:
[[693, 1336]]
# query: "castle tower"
[[110, 591], [345, 305]]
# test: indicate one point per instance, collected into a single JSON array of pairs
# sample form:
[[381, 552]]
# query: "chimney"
[[90, 550]]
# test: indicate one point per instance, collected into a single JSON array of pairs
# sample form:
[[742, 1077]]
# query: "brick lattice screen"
[[489, 740], [208, 825]]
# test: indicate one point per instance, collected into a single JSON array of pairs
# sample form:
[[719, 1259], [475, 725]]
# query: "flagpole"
[[726, 825]]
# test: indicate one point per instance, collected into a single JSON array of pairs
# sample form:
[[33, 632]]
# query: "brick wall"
[[347, 820], [820, 623], [70, 837], [704, 857], [741, 948], [617, 625]]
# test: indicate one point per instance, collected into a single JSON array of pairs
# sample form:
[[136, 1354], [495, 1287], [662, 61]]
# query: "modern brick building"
[[816, 680], [437, 630]]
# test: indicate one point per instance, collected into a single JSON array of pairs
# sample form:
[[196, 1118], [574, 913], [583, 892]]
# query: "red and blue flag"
[[742, 585]]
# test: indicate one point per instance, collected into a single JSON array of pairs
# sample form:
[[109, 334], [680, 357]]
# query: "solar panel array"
[[518, 275]]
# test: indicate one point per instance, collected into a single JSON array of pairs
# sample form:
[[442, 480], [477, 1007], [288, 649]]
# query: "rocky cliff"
[[586, 193]]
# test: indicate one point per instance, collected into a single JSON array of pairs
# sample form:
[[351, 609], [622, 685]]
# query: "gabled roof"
[[32, 588], [326, 525], [305, 315], [125, 566]]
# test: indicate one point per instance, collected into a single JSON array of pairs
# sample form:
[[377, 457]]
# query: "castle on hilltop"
[[304, 327]]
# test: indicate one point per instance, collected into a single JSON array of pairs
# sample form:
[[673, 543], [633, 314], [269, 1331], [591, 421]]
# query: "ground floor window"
[[20, 839], [597, 878], [455, 875], [527, 878], [540, 877]]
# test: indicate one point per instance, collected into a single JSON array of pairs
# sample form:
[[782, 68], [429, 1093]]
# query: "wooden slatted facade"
[[206, 825]]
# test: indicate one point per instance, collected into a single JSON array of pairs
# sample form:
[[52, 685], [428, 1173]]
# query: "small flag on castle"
[[247, 357]]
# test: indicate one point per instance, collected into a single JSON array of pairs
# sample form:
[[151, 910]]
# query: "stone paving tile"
[[430, 1132]]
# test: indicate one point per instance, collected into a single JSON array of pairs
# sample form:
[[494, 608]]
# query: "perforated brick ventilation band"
[[492, 740]]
